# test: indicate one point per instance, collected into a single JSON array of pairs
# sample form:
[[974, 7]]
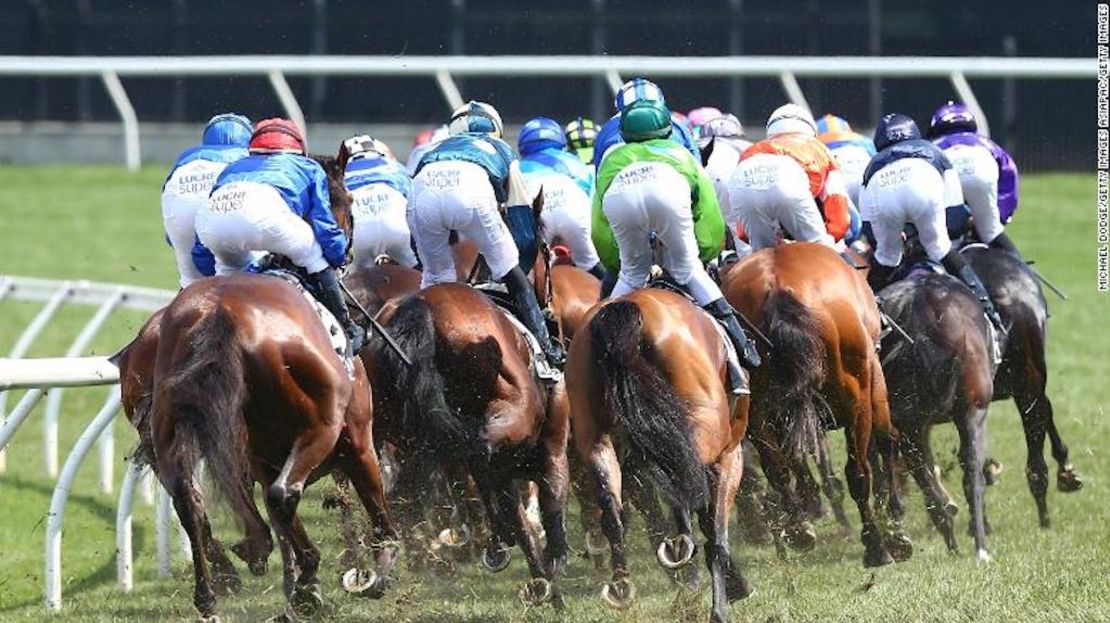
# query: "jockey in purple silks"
[[987, 173]]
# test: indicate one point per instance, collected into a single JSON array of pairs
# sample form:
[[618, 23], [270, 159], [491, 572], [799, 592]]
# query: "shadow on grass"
[[106, 573]]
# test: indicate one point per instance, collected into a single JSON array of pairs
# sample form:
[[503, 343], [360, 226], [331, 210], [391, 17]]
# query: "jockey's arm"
[[1007, 184], [835, 202], [517, 192], [953, 190], [331, 238], [601, 231], [709, 223]]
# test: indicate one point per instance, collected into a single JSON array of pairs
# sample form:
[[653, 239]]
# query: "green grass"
[[103, 224]]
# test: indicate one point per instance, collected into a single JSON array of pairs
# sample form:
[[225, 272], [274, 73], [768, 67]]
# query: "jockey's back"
[[912, 148], [373, 168], [494, 155], [810, 154], [609, 136], [1007, 169], [553, 161]]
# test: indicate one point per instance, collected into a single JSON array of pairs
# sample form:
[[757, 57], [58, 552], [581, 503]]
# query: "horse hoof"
[[619, 594], [227, 583], [211, 618], [1068, 481], [877, 557], [801, 537], [899, 546], [983, 556], [738, 588], [676, 552], [951, 508], [454, 538], [992, 469], [364, 583], [537, 591], [495, 560], [596, 544], [306, 601]]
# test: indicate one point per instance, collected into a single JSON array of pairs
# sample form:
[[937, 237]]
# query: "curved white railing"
[[38, 375], [443, 69]]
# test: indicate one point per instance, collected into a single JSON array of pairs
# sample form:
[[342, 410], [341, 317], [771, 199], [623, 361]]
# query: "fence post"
[[131, 148]]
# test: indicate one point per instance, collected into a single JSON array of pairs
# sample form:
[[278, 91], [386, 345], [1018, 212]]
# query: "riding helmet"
[[635, 90], [540, 133], [228, 129], [895, 128], [645, 120], [950, 118], [277, 135], [791, 118], [476, 117]]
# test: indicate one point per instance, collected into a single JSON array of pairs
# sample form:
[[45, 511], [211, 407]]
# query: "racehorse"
[[471, 403], [244, 376], [1023, 374], [823, 323], [944, 375], [647, 383]]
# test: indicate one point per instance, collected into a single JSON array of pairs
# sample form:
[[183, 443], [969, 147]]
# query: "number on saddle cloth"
[[521, 222]]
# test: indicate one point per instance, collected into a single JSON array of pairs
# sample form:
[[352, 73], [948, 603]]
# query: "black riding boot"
[[745, 347], [327, 289], [879, 276], [598, 270], [608, 283], [958, 267], [531, 315], [1002, 241]]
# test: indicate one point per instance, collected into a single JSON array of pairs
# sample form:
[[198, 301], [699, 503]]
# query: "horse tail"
[[654, 417], [425, 414], [206, 390], [797, 371]]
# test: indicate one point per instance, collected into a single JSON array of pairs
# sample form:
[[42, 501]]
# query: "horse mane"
[[341, 198]]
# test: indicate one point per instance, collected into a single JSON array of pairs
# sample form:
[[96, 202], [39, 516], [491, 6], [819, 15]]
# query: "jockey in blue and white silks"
[[911, 181], [853, 152], [380, 187], [636, 89], [461, 185], [567, 189], [987, 173], [188, 185], [277, 201]]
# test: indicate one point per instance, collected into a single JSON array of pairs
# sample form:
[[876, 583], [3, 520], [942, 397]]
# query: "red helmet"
[[277, 135]]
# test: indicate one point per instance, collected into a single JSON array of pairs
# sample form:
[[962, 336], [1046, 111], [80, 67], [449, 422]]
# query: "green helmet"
[[645, 120]]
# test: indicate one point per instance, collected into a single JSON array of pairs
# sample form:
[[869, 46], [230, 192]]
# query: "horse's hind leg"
[[1067, 480], [796, 531], [917, 452], [973, 440], [832, 486], [364, 471], [619, 592], [176, 471], [257, 544], [729, 584], [1035, 411]]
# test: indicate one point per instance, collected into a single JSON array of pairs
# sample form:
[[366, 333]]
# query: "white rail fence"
[[444, 69], [50, 375]]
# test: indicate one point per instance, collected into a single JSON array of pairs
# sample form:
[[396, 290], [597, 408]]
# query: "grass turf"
[[103, 224]]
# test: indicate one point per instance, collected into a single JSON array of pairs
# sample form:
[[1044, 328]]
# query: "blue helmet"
[[228, 129], [638, 89], [895, 128], [476, 117], [539, 134]]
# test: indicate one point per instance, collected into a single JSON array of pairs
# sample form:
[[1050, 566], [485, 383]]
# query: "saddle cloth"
[[543, 370], [336, 334]]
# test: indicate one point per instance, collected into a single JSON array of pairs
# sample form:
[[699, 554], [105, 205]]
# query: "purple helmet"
[[952, 117]]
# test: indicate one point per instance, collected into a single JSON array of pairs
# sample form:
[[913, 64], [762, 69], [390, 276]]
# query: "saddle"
[[738, 376], [499, 295]]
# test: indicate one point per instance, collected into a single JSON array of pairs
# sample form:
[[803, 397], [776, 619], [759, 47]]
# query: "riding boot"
[[1002, 241], [957, 266], [329, 293], [745, 347], [530, 314], [879, 276], [608, 283], [598, 270]]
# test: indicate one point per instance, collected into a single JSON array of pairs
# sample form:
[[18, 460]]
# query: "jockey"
[[188, 185], [460, 185], [567, 187], [634, 90], [727, 136], [988, 174], [381, 188], [277, 200], [789, 179], [912, 181], [852, 152], [424, 142], [581, 134], [652, 185]]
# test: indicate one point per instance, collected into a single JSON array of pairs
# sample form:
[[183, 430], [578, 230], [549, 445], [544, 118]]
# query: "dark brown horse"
[[823, 323], [471, 404], [646, 378], [943, 375]]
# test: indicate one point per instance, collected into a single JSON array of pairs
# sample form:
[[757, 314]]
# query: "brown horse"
[[647, 384], [245, 378], [823, 323], [471, 403]]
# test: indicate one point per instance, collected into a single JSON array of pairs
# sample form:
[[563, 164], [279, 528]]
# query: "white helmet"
[[366, 144], [791, 118], [476, 117]]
